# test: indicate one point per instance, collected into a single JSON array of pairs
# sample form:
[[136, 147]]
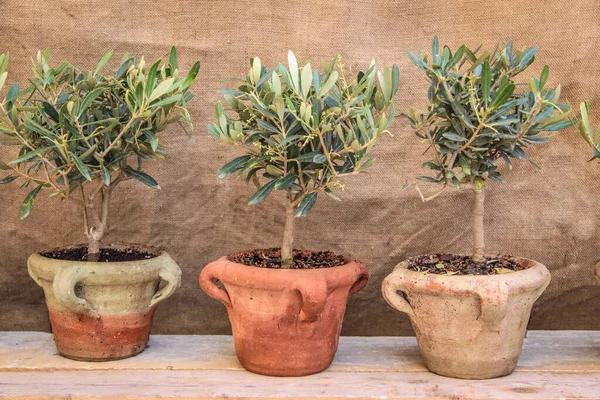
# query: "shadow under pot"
[[468, 326], [285, 322], [102, 311]]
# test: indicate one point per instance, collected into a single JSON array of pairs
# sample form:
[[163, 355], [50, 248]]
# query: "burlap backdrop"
[[549, 215]]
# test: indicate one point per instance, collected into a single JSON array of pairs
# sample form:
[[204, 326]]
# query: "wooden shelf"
[[554, 365]]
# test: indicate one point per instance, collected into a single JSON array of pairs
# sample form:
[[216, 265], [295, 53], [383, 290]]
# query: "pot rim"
[[157, 252], [347, 260], [531, 276], [530, 264]]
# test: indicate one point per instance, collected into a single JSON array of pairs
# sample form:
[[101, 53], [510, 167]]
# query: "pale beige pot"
[[468, 326], [103, 311]]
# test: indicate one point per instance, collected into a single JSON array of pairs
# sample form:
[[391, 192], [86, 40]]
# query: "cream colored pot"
[[468, 326], [103, 311]]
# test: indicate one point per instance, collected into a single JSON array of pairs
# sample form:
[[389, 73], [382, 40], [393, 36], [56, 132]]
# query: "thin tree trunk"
[[100, 225], [478, 242], [287, 256]]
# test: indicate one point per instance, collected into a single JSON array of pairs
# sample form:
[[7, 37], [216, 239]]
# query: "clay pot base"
[[452, 264], [107, 338], [303, 259], [106, 254]]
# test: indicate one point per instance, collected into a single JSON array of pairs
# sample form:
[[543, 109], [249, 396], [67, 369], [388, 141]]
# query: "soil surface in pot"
[[271, 258], [450, 264], [106, 255]]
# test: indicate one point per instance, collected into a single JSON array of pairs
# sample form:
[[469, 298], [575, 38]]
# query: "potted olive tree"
[[470, 312], [80, 134], [302, 130], [593, 139]]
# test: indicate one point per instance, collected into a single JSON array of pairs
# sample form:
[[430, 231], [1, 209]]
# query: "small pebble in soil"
[[271, 258], [106, 254], [450, 264]]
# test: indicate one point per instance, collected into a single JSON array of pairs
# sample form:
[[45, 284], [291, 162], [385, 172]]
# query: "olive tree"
[[302, 130], [81, 133], [480, 114]]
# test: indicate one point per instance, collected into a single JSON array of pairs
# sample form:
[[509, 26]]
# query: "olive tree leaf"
[[29, 201], [305, 205], [263, 192], [142, 177]]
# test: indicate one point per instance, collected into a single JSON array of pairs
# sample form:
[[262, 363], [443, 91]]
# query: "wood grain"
[[554, 365]]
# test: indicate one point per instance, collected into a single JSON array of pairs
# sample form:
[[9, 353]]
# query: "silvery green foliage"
[[303, 129], [591, 137], [479, 113], [76, 127]]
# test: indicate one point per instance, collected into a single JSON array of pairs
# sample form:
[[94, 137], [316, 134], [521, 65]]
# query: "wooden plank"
[[554, 365], [326, 385]]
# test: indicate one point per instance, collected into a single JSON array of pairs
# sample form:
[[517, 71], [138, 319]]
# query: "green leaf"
[[395, 80], [88, 98], [142, 177], [173, 59], [435, 46], [191, 76], [326, 87], [103, 62], [4, 167], [528, 57], [81, 166], [502, 95], [293, 65], [454, 136], [50, 111], [307, 77], [233, 166], [544, 76], [418, 61], [8, 179], [263, 192], [305, 205], [106, 176], [486, 81], [29, 155], [27, 205], [169, 100], [3, 79], [13, 93], [286, 182], [161, 89]]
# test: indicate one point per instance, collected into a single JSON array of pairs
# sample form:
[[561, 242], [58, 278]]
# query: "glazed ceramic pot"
[[285, 322], [103, 311], [468, 326]]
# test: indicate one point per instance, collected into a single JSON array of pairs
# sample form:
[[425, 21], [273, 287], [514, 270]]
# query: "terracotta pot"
[[468, 326], [285, 322], [103, 311]]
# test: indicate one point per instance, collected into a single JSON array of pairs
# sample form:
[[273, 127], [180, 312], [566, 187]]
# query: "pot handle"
[[390, 288], [361, 281], [170, 273], [495, 307], [209, 273], [32, 274], [65, 280], [314, 297]]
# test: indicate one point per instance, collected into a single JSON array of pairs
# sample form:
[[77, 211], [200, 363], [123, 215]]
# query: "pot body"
[[468, 326], [285, 322], [103, 311]]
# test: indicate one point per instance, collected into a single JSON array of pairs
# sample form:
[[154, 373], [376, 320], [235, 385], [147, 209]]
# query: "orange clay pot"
[[285, 322], [103, 311]]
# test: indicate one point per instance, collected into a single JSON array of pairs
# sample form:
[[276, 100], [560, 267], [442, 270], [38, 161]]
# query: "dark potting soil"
[[106, 255], [271, 258], [450, 264]]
